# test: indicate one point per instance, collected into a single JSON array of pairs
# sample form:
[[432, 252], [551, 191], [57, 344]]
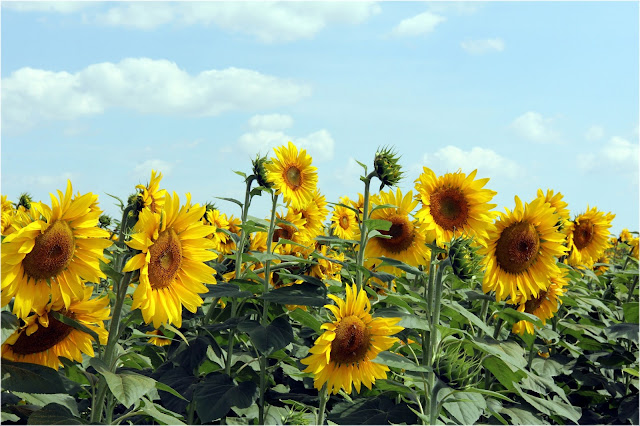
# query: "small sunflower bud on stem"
[[387, 168], [24, 201], [260, 172]]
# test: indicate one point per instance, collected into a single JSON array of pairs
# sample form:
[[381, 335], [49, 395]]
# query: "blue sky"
[[532, 94]]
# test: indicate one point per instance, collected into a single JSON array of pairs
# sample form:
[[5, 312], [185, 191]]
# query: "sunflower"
[[158, 338], [314, 214], [625, 235], [294, 230], [326, 269], [7, 216], [173, 248], [344, 222], [587, 237], [152, 196], [227, 247], [343, 355], [217, 220], [544, 306], [293, 175], [44, 339], [358, 205], [407, 237], [454, 204], [556, 202], [603, 260], [634, 247], [521, 250], [52, 253]]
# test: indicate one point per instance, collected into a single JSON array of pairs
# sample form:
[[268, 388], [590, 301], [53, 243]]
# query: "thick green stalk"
[[265, 308], [239, 252], [363, 228], [435, 321], [532, 352], [483, 314], [428, 297], [323, 405]]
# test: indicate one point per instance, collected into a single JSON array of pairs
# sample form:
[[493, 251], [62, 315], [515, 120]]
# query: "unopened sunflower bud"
[[387, 168], [24, 201], [260, 172], [104, 220], [458, 366], [136, 202], [465, 261]]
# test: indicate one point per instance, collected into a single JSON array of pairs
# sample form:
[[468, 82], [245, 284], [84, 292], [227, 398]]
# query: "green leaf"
[[407, 320], [512, 316], [9, 323], [521, 416], [630, 312], [298, 294], [127, 387], [382, 206], [306, 319], [365, 411], [397, 361], [164, 387], [243, 174], [547, 367], [465, 407], [509, 351], [454, 310], [31, 378], [8, 417], [218, 393], [110, 272], [631, 371], [623, 330], [75, 324], [551, 407], [54, 414], [271, 338], [176, 331], [378, 224], [225, 290], [400, 265], [153, 410], [233, 200], [43, 399], [505, 375]]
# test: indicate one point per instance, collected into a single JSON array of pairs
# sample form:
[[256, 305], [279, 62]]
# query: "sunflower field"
[[391, 307]]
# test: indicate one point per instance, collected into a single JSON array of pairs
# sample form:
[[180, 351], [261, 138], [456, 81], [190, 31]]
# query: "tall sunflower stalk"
[[120, 290]]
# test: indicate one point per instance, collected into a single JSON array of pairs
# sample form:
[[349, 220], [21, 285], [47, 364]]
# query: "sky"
[[531, 94]]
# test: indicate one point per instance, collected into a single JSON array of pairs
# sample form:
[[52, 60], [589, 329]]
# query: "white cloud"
[[47, 6], [268, 21], [143, 170], [618, 155], [262, 140], [488, 162], [142, 84], [455, 7], [594, 133], [479, 47], [417, 25], [534, 127], [47, 180], [271, 122]]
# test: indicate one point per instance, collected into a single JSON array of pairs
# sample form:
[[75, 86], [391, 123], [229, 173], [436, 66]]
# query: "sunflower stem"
[[239, 252], [363, 228], [483, 314], [435, 321], [265, 308], [531, 354], [323, 404]]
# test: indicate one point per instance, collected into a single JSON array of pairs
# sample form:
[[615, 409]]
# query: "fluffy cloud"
[[417, 25], [488, 162], [268, 21], [534, 127], [271, 122], [479, 47], [267, 134], [594, 133], [142, 171], [618, 155], [142, 84]]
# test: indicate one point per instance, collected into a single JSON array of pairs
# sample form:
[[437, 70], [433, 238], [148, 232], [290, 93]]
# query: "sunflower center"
[[166, 258], [401, 232], [285, 232], [51, 253], [44, 337], [344, 221], [449, 208], [352, 341], [293, 177], [583, 234], [517, 247], [532, 305]]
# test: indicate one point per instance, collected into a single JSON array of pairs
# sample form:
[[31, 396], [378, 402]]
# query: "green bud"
[[260, 172], [458, 365], [24, 201], [386, 167], [137, 204], [465, 260], [104, 221]]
